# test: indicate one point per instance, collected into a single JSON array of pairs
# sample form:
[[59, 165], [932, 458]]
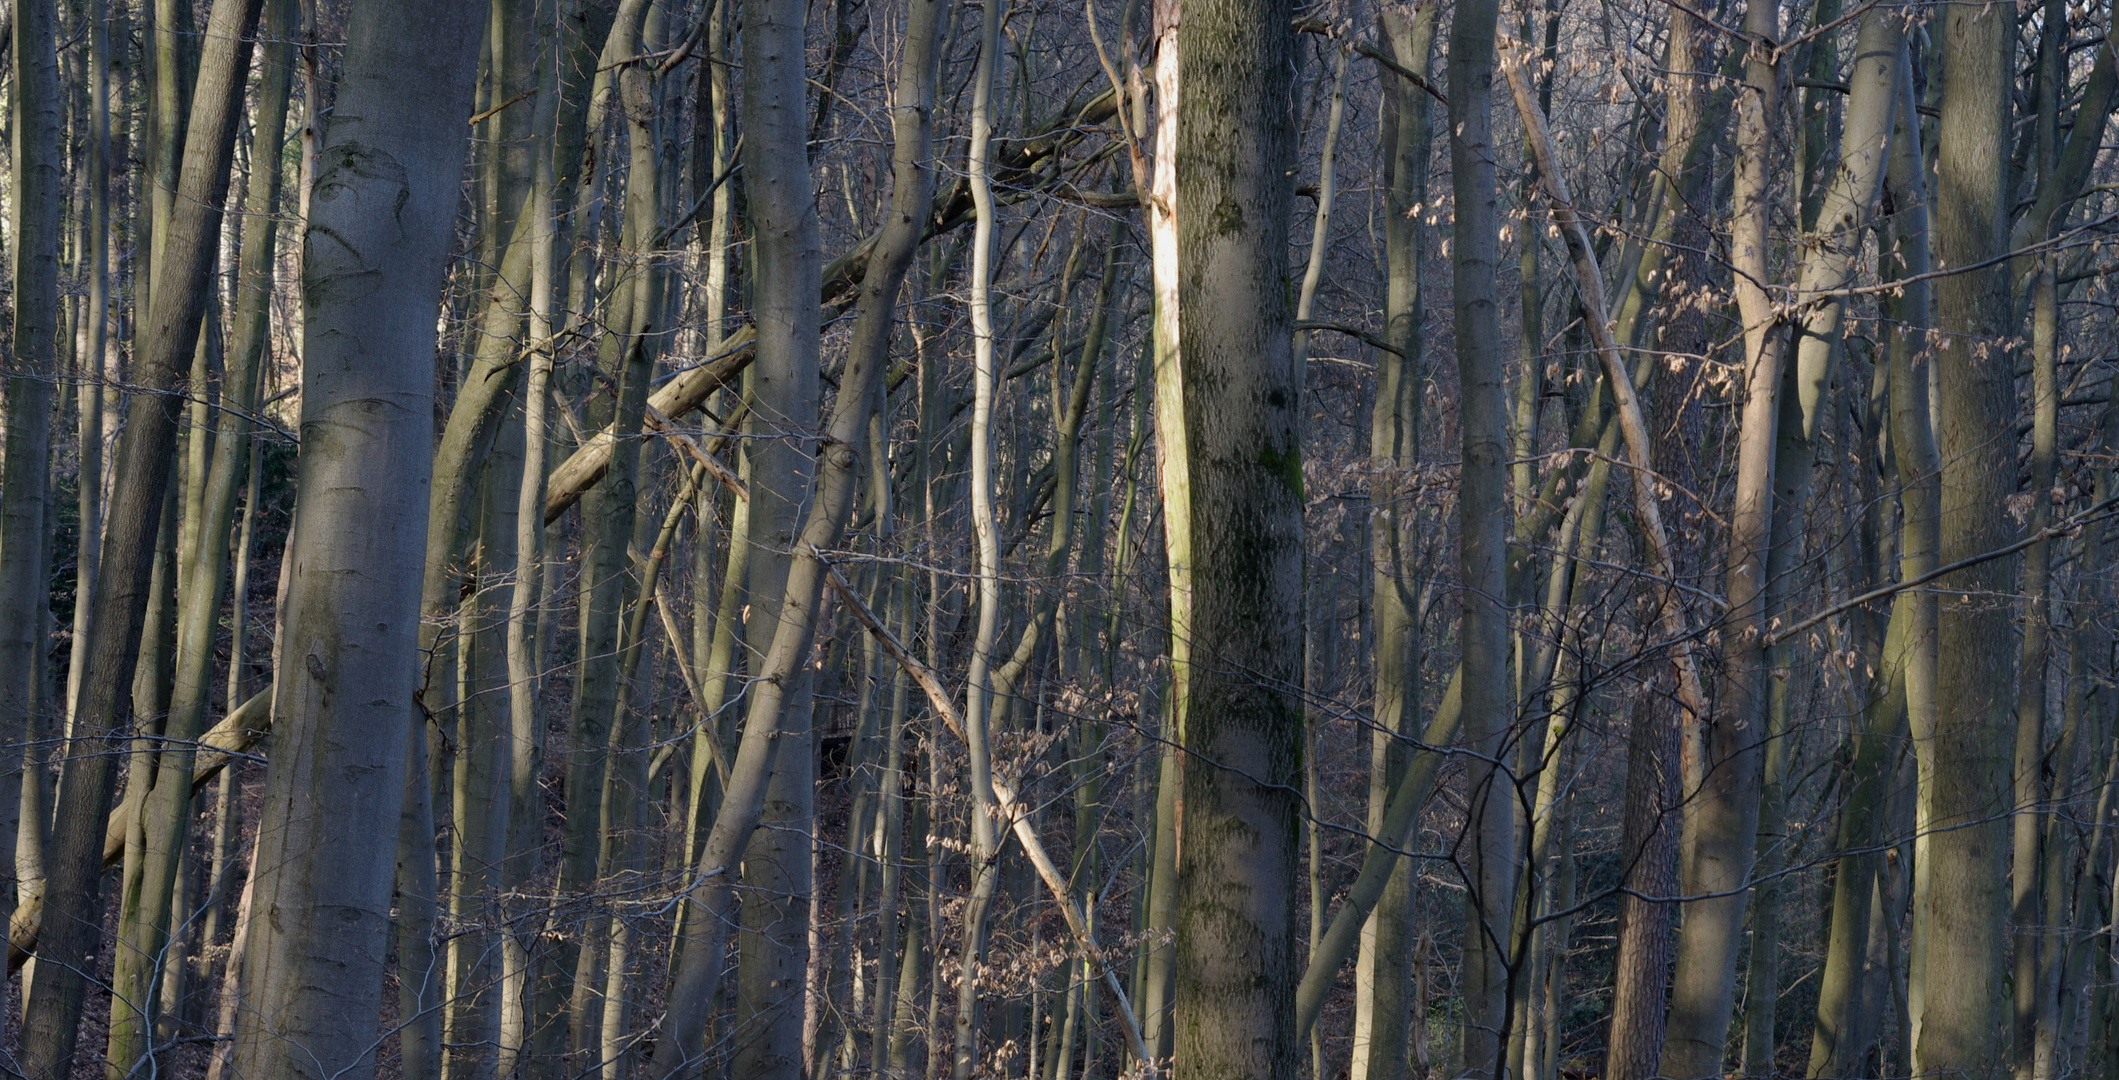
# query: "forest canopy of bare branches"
[[1226, 539]]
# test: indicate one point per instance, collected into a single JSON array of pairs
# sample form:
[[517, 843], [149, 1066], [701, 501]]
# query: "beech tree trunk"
[[1963, 889], [378, 235], [1241, 728]]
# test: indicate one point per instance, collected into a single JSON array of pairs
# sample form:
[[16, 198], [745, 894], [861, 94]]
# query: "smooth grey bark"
[[71, 920], [773, 938], [1241, 727], [1841, 210], [1488, 856], [165, 808], [481, 786], [1963, 886], [981, 687], [1919, 470], [786, 255], [608, 517], [377, 240], [2029, 891], [912, 199], [1719, 846], [422, 982], [94, 336], [34, 204], [523, 850], [1384, 971]]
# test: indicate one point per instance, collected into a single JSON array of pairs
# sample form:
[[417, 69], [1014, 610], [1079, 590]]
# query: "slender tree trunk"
[[980, 690], [1722, 816], [2028, 823], [1963, 894], [1489, 862], [422, 977], [1173, 475], [784, 212], [34, 203], [526, 717], [166, 806], [1383, 979], [607, 519], [1649, 845], [313, 970], [94, 360], [71, 921]]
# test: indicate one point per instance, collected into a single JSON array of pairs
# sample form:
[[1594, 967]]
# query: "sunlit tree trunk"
[[979, 693], [1722, 815], [1240, 726]]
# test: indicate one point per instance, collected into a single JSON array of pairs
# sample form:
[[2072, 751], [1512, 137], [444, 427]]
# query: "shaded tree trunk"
[[313, 969]]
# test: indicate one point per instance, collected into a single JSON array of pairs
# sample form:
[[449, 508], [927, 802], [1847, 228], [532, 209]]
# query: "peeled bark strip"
[[378, 236]]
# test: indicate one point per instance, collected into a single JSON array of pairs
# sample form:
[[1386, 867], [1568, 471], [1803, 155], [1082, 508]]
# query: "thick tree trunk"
[[378, 236], [1240, 727]]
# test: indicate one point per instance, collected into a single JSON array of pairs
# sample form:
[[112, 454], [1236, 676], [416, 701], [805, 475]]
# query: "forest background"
[[757, 538]]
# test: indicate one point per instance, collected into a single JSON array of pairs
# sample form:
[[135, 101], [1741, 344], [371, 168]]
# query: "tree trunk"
[[1384, 970], [980, 686], [34, 204], [1489, 866], [166, 807], [378, 237], [1722, 815], [1649, 845], [1964, 891], [72, 919], [1240, 727]]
